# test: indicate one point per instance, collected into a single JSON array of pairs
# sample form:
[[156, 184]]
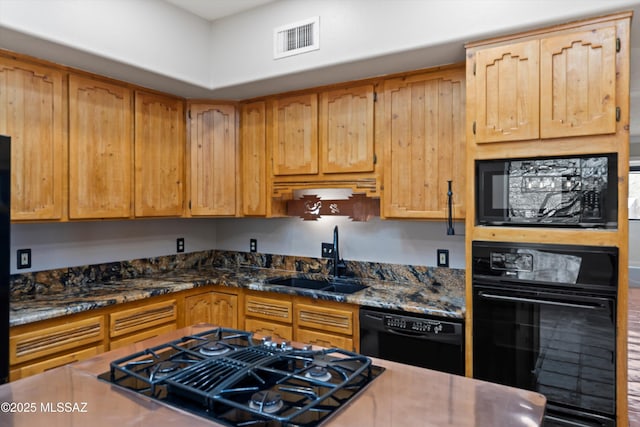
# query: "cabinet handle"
[[618, 113], [474, 127]]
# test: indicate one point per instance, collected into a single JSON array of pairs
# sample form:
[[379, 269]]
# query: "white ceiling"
[[215, 9]]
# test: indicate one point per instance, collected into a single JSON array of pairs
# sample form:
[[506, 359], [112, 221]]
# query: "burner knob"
[[284, 345], [266, 341], [307, 347]]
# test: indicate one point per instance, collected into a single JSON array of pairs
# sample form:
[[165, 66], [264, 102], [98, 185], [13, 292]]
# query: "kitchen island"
[[402, 395]]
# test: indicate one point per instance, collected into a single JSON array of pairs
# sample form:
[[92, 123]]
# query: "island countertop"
[[401, 396]]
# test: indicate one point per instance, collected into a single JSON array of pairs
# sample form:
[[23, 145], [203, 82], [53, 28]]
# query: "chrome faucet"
[[338, 264]]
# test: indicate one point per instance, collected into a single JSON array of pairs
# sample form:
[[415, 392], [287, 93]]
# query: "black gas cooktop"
[[229, 377]]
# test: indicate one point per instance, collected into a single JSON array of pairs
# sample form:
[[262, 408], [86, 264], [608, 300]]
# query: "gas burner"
[[266, 401], [162, 369], [214, 348], [319, 373]]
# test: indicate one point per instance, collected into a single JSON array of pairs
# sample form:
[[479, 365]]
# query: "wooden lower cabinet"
[[141, 336], [138, 319], [48, 344], [326, 323], [263, 328], [54, 362], [217, 308], [323, 339]]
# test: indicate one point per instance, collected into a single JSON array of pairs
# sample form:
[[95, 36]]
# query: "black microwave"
[[573, 191]]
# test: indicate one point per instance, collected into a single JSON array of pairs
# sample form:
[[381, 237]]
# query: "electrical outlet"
[[24, 258], [253, 245], [327, 250], [180, 244], [443, 258]]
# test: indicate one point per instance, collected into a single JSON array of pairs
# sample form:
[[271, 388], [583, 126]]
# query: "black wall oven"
[[544, 319]]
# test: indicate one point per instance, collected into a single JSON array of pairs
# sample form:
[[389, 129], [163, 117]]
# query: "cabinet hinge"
[[474, 127], [189, 204], [375, 96], [618, 44], [189, 114], [474, 68], [618, 113], [375, 158]]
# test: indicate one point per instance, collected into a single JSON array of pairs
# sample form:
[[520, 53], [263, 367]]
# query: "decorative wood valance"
[[358, 207]]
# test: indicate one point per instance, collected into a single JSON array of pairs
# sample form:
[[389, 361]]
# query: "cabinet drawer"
[[324, 340], [268, 308], [268, 329], [51, 340], [141, 336], [324, 318], [39, 367], [136, 319]]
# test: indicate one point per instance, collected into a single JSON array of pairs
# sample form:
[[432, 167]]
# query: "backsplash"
[[50, 281]]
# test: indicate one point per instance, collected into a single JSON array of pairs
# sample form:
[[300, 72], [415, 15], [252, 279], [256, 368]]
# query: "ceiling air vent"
[[299, 37]]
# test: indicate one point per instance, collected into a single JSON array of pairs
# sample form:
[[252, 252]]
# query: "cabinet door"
[[32, 114], [346, 130], [507, 92], [578, 84], [425, 139], [100, 149], [224, 309], [294, 139], [254, 159], [217, 308], [159, 155], [213, 150]]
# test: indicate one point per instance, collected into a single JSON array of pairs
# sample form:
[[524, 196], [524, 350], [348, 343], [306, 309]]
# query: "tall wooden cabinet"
[[159, 155], [253, 143], [214, 167], [562, 90], [100, 149], [33, 113], [424, 143]]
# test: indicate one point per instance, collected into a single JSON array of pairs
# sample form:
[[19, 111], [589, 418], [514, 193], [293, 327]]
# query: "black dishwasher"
[[415, 339]]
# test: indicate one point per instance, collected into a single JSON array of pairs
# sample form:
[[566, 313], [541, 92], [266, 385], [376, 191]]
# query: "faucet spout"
[[338, 264]]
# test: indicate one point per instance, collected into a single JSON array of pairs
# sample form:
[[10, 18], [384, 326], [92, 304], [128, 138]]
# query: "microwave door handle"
[[539, 301]]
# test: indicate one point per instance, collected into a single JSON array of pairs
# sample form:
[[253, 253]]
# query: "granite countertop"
[[443, 296]]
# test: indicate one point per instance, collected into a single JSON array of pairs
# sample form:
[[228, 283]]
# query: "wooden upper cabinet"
[[295, 135], [32, 114], [507, 92], [253, 144], [554, 86], [346, 130], [578, 83], [213, 165], [100, 149], [159, 155], [424, 140]]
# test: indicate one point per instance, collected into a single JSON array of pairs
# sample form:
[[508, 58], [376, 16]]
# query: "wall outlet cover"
[[327, 250], [180, 244], [24, 258], [253, 245], [443, 258]]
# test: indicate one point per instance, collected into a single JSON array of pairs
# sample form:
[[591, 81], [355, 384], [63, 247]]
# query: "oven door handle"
[[485, 295]]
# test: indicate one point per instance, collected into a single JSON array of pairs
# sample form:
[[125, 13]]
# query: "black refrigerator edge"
[[5, 234]]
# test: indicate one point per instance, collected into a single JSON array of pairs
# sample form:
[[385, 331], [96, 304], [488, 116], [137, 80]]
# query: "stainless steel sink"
[[339, 285]]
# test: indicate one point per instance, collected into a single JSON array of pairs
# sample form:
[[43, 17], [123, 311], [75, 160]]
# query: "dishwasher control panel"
[[425, 326]]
